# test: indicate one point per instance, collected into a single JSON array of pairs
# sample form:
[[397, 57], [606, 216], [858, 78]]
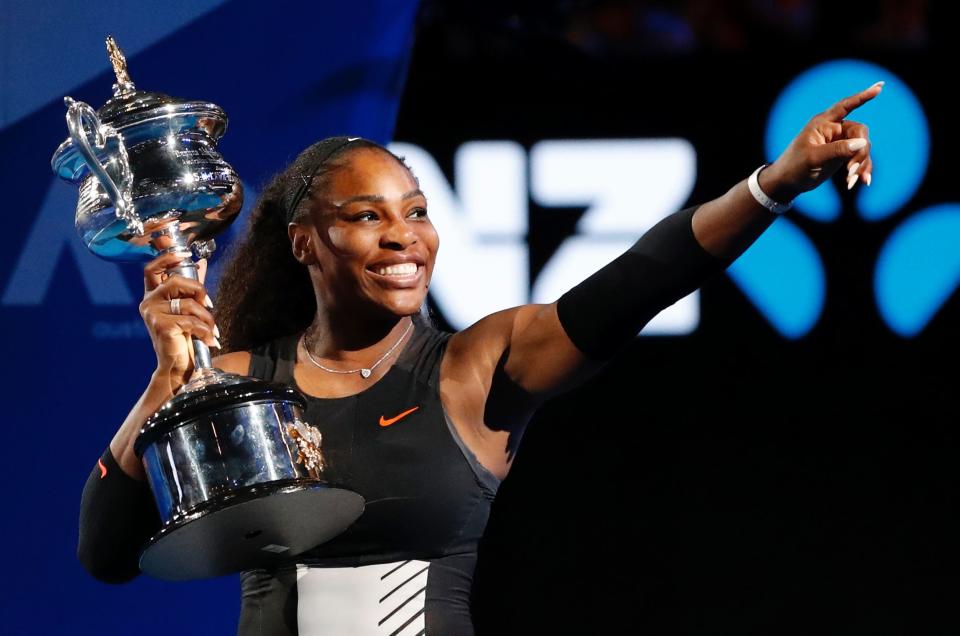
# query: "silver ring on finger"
[[175, 306]]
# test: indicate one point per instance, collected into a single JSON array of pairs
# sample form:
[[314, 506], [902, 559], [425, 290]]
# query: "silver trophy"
[[236, 473]]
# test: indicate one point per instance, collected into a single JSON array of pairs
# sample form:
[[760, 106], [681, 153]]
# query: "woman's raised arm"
[[540, 350]]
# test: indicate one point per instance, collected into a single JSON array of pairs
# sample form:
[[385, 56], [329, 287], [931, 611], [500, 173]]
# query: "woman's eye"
[[418, 212], [366, 216]]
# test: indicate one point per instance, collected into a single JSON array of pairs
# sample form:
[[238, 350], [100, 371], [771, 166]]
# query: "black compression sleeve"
[[117, 516], [606, 311]]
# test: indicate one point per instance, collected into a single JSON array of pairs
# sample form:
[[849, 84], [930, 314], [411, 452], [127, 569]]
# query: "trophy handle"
[[80, 113]]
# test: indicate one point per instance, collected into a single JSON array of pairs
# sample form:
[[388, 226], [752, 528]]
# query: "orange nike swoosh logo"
[[103, 469], [386, 422]]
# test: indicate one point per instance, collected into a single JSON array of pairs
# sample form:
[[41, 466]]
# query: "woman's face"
[[375, 245]]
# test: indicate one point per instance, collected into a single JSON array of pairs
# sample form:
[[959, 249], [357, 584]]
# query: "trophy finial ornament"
[[124, 84]]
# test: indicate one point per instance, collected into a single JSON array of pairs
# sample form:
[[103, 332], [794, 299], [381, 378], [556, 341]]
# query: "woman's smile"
[[398, 276], [398, 272]]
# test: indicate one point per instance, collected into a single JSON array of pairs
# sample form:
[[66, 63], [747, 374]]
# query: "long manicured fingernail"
[[859, 143], [207, 302], [216, 344], [867, 178], [853, 168], [880, 84], [216, 331], [852, 180]]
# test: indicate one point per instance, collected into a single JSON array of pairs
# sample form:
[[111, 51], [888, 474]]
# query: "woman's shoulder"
[[488, 337]]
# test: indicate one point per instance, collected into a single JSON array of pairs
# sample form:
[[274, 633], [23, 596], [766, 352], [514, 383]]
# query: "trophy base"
[[261, 527]]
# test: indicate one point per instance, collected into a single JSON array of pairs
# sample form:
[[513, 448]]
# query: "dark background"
[[726, 481], [729, 481]]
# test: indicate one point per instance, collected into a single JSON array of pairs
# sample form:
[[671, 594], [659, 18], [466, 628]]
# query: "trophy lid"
[[130, 106], [141, 115], [124, 110]]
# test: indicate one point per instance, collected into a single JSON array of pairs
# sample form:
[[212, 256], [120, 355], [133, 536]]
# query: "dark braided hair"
[[264, 292]]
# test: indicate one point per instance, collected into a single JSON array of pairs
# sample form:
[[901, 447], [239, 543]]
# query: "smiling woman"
[[371, 250], [326, 294], [325, 234]]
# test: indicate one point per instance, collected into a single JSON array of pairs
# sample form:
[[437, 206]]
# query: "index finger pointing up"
[[845, 106]]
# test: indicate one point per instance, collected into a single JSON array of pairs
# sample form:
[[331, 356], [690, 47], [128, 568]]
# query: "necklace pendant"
[[365, 373]]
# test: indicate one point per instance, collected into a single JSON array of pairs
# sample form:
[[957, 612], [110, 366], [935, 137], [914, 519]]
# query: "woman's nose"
[[398, 233]]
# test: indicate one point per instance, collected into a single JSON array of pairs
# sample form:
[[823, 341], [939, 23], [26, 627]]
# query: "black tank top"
[[427, 504]]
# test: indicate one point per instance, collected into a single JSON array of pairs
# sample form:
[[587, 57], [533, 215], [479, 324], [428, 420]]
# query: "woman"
[[326, 294]]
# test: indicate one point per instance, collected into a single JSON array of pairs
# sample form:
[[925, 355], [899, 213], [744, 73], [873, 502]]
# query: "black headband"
[[336, 144]]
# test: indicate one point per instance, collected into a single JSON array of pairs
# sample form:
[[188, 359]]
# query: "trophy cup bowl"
[[236, 474]]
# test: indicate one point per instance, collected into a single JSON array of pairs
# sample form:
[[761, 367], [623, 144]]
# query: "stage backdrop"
[[287, 74]]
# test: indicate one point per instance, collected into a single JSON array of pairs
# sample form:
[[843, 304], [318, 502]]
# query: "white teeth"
[[404, 269]]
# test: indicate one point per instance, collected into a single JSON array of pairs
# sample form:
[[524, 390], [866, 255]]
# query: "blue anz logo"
[[919, 266], [783, 276]]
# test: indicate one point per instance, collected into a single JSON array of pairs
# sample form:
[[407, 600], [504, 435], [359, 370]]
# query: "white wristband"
[[754, 184]]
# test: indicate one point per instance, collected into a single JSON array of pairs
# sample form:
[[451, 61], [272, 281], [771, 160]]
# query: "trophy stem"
[[169, 238]]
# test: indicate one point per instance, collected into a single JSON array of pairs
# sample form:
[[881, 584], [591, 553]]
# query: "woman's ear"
[[301, 242]]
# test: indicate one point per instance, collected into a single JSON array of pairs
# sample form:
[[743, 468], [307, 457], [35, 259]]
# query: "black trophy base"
[[256, 529]]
